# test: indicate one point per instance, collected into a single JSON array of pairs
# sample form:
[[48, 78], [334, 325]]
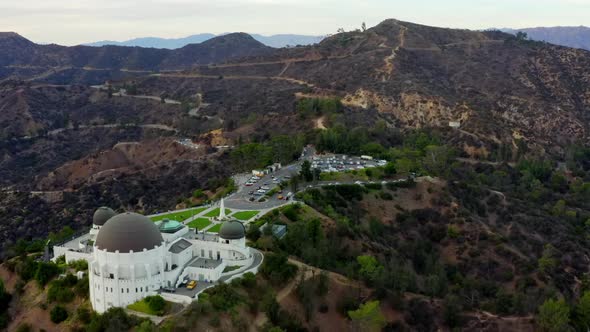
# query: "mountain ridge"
[[276, 40], [570, 36], [18, 51]]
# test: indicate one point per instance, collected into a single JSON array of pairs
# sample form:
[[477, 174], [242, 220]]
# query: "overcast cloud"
[[71, 22]]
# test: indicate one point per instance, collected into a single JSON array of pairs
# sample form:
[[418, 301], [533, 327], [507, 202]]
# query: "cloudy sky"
[[71, 22]]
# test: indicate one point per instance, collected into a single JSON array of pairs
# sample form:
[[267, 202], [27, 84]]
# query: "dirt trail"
[[389, 59], [308, 272], [319, 123], [237, 77], [287, 65]]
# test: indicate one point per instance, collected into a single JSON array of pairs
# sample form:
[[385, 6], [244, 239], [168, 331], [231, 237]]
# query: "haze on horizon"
[[71, 22]]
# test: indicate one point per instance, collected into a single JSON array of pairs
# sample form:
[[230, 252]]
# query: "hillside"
[[501, 90]]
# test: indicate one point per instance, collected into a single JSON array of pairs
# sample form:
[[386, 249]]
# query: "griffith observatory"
[[130, 257]]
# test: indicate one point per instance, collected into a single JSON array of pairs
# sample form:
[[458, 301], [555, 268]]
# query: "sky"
[[71, 22]]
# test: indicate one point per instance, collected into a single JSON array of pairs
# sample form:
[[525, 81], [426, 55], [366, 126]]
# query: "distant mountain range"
[[276, 41], [578, 37]]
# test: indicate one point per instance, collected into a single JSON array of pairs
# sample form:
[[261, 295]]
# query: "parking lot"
[[253, 191], [251, 195], [340, 163]]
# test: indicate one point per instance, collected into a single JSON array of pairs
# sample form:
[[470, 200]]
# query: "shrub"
[[79, 265], [58, 314], [23, 327], [58, 292], [374, 186], [83, 315], [156, 303], [386, 196], [45, 272], [277, 269]]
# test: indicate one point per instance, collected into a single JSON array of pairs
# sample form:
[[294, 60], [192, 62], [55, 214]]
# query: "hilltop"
[[20, 55], [280, 40]]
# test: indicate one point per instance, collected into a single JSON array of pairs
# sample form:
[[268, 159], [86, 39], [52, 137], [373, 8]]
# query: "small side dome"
[[232, 230], [101, 215], [127, 232]]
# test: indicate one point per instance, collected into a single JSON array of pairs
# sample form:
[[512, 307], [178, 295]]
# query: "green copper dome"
[[169, 226]]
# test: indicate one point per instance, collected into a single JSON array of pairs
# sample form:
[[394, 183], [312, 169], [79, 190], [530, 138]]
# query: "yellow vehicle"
[[191, 285], [280, 197]]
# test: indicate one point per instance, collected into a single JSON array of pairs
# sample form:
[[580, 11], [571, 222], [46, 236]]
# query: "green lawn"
[[179, 216], [215, 228], [245, 215], [199, 223], [215, 212], [142, 306], [231, 268]]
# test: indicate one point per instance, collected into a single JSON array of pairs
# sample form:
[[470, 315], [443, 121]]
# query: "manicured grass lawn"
[[215, 212], [142, 306], [215, 228], [245, 215], [199, 223], [179, 216], [231, 268]]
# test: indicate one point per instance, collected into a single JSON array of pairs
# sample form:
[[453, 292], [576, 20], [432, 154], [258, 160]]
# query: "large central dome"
[[128, 231]]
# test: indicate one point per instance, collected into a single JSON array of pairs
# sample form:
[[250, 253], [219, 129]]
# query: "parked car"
[[280, 197], [169, 290], [192, 284]]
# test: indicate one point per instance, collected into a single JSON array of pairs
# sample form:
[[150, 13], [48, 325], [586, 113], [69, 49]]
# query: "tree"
[[156, 304], [437, 159], [5, 298], [306, 172], [146, 326], [367, 317], [451, 310], [390, 169], [46, 272], [522, 36], [58, 314], [370, 268], [253, 233], [363, 27], [294, 184], [581, 314], [547, 262], [316, 174], [554, 316]]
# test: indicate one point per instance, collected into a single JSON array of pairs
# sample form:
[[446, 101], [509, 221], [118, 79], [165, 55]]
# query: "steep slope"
[[501, 90]]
